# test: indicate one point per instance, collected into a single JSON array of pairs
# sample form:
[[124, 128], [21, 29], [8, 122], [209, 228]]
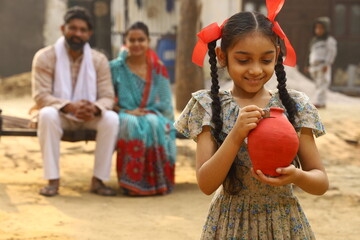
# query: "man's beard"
[[75, 45]]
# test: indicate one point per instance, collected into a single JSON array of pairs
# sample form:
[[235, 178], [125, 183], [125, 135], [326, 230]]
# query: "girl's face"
[[250, 62], [137, 42]]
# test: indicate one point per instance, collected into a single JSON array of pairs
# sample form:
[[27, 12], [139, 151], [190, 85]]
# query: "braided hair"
[[215, 106], [235, 28], [285, 98]]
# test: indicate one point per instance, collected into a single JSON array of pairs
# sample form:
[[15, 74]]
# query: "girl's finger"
[[254, 114], [252, 120], [250, 108], [264, 178], [285, 170]]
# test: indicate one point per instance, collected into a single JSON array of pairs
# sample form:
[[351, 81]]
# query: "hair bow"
[[208, 34], [274, 7]]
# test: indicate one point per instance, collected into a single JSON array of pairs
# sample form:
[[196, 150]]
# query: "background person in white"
[[323, 50], [72, 89]]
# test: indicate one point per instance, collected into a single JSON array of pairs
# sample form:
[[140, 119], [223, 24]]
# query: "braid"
[[231, 181], [215, 105], [286, 100]]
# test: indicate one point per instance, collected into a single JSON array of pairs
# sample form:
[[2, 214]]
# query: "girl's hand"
[[248, 119], [288, 175]]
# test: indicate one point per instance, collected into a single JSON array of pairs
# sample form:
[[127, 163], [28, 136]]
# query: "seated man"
[[72, 89]]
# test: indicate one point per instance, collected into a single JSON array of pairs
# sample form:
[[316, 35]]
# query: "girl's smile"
[[254, 80]]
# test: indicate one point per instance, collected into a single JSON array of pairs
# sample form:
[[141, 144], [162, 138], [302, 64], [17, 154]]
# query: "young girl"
[[248, 204]]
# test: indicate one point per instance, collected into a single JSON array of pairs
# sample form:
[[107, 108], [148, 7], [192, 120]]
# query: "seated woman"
[[146, 148]]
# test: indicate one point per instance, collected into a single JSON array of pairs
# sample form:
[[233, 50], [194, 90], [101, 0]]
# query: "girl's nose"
[[255, 69]]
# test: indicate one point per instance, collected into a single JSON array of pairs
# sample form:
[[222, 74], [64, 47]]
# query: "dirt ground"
[[77, 214]]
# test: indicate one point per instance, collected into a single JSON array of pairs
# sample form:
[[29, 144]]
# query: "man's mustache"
[[75, 43], [79, 40]]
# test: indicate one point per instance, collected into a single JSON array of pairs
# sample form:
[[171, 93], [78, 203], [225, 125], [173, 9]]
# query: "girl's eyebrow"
[[247, 53]]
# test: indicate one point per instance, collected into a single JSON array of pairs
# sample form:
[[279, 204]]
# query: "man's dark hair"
[[78, 12]]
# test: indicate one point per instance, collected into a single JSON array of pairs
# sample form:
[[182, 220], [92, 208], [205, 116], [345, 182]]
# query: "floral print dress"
[[258, 211]]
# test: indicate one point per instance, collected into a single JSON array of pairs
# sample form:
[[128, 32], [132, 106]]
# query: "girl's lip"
[[254, 79]]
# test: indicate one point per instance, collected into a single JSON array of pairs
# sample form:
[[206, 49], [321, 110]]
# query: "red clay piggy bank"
[[273, 143]]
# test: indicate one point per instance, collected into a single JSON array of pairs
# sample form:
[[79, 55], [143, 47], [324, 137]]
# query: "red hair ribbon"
[[208, 34], [274, 7]]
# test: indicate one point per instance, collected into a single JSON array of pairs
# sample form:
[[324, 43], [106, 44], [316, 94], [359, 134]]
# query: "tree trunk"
[[189, 77]]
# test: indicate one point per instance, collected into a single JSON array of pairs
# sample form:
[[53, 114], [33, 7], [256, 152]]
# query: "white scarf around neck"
[[85, 86]]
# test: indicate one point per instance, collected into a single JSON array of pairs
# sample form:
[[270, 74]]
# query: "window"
[[249, 7], [255, 6], [340, 19], [355, 20], [263, 9], [347, 19]]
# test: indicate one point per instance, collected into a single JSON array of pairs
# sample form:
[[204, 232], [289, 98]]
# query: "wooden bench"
[[15, 126]]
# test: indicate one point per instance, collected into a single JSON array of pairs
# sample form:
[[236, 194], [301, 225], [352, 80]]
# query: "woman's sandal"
[[49, 191]]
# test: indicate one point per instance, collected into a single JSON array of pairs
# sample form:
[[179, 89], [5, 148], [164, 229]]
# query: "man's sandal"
[[99, 188], [49, 191], [104, 191]]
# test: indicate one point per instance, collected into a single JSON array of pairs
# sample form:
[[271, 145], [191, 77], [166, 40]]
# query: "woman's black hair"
[[234, 29], [138, 26]]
